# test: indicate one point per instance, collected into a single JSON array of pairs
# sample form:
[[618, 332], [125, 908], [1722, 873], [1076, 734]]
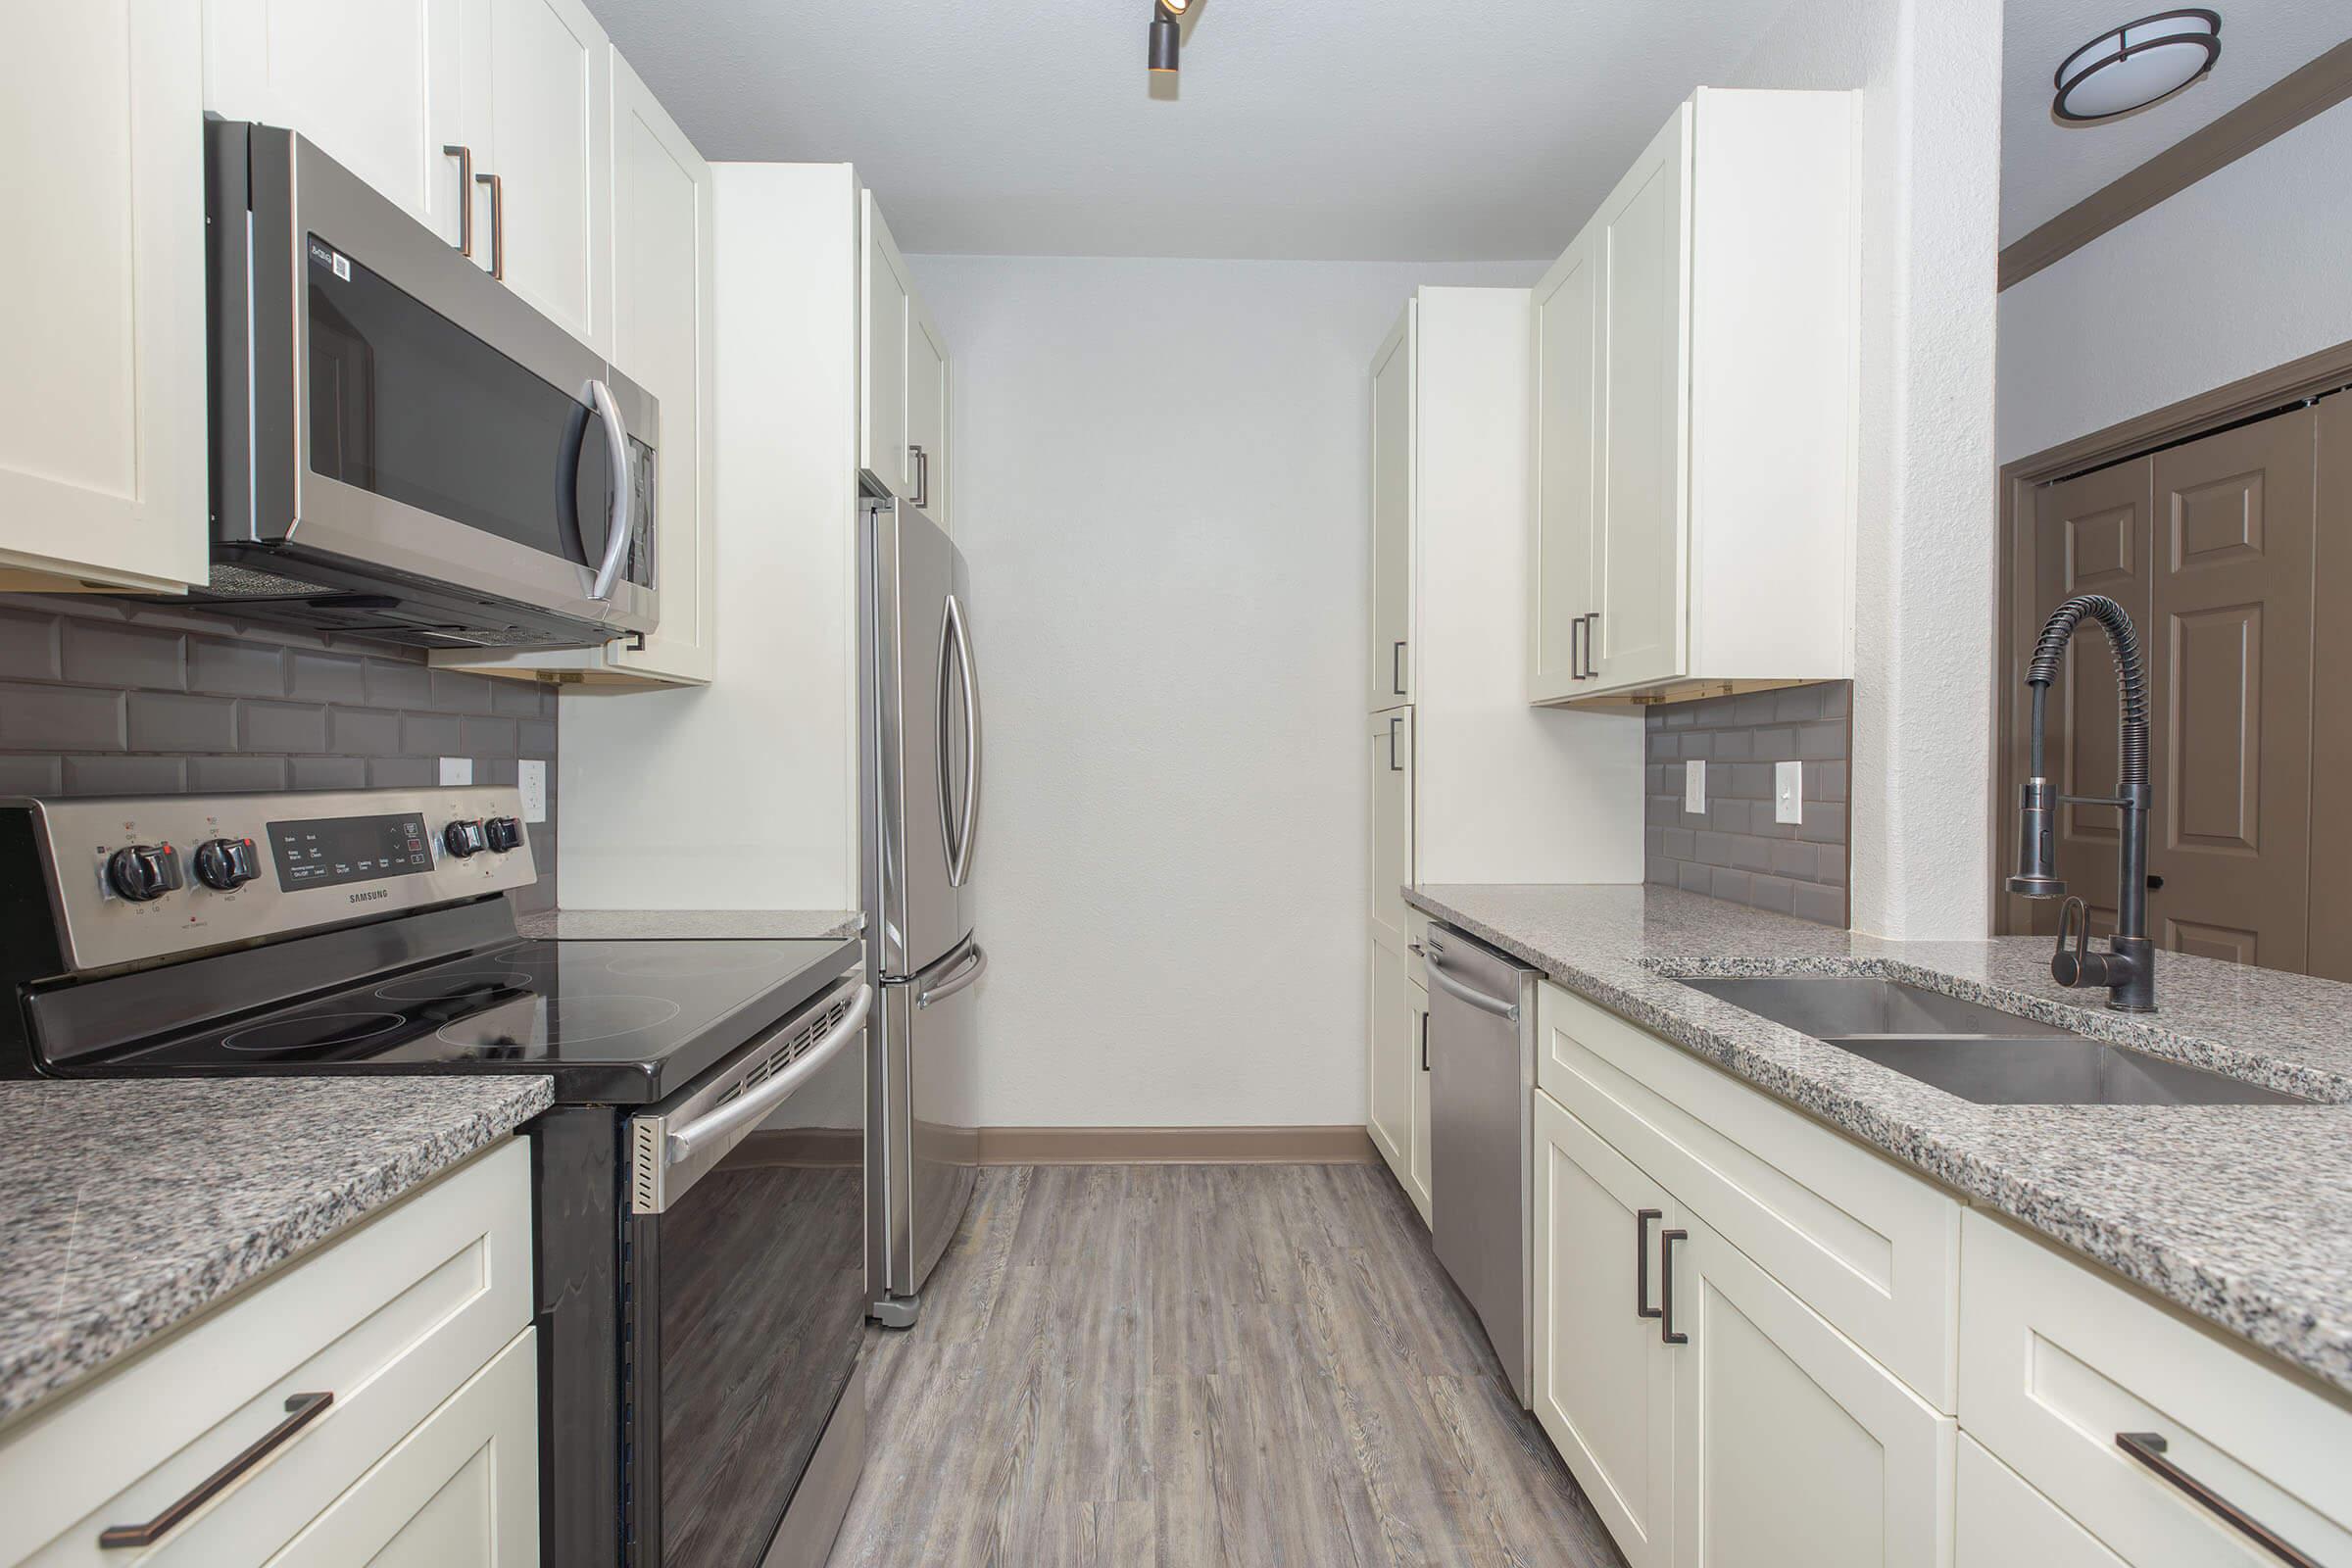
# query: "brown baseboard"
[[1175, 1146]]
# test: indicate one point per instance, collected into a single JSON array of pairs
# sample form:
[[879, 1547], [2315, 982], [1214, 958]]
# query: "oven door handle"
[[616, 442], [758, 1103]]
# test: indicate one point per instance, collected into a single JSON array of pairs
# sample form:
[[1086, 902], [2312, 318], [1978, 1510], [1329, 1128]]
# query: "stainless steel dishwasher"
[[1482, 1069]]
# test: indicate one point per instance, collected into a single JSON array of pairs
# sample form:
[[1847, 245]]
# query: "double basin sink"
[[1975, 1051]]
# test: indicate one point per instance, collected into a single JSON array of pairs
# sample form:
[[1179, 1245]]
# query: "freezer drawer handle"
[[1642, 1220], [1453, 988], [301, 1410], [973, 969], [1666, 1328], [758, 1103], [2148, 1448]]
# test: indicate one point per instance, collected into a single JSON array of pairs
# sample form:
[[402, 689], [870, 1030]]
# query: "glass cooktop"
[[612, 1021]]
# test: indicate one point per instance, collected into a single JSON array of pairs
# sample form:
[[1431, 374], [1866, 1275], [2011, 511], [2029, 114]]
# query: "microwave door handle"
[[617, 443], [753, 1104]]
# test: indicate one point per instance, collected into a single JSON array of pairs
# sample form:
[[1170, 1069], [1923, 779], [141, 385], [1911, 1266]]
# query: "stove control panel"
[[132, 880]]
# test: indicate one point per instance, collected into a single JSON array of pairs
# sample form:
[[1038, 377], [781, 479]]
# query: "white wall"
[[1161, 483], [1929, 77], [2243, 271]]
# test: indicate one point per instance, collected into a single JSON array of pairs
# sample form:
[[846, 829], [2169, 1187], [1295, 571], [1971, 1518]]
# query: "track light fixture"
[[1162, 54]]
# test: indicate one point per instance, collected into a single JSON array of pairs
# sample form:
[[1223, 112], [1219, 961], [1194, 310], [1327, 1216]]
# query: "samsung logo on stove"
[[371, 895]]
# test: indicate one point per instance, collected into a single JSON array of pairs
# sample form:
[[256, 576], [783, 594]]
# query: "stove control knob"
[[503, 833], [144, 872], [227, 864], [463, 839]]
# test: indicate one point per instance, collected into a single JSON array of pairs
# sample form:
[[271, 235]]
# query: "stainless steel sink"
[[1977, 1052]]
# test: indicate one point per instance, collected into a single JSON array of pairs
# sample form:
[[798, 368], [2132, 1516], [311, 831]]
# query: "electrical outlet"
[[531, 778], [1694, 787], [1789, 792], [456, 771]]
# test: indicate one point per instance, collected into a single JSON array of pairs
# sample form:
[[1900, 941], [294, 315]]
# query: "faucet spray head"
[[2037, 875]]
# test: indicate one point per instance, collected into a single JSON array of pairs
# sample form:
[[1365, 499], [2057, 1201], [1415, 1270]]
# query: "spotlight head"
[[1162, 53]]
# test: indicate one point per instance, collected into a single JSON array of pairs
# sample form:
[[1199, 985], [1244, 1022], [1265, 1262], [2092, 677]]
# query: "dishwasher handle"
[[1446, 982]]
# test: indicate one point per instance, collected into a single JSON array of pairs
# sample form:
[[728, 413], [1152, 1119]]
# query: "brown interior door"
[[2091, 535], [2229, 640], [2330, 926]]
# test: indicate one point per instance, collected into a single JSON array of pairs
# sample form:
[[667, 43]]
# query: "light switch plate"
[[1789, 792], [531, 778], [456, 771], [1694, 786]]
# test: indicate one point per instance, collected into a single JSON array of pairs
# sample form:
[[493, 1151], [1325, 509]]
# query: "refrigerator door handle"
[[966, 968], [959, 843]]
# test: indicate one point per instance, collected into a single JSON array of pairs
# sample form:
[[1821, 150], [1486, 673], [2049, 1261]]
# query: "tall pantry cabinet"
[[1467, 783]]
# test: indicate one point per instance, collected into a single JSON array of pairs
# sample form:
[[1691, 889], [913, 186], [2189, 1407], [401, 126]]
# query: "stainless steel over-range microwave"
[[402, 448]]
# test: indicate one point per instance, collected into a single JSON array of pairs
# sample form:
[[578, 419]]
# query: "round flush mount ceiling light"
[[2136, 65]]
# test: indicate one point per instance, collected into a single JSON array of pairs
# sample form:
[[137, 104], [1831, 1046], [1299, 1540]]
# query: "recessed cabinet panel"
[[1566, 541], [2000, 1522], [1388, 664], [927, 414], [1389, 1080], [552, 147], [1416, 1040], [1390, 760], [882, 366]]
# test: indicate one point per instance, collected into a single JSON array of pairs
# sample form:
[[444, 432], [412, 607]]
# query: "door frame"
[[2276, 390]]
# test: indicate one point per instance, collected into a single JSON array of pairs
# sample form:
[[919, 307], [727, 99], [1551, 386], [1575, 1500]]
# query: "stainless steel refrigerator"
[[920, 729]]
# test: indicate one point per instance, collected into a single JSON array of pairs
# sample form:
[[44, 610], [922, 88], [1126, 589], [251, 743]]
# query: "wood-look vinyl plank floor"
[[1202, 1366]]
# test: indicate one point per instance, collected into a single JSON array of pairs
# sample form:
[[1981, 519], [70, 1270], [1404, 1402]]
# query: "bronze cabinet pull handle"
[[464, 157], [497, 223], [301, 1410], [1642, 1220], [1666, 1331], [2148, 1448]]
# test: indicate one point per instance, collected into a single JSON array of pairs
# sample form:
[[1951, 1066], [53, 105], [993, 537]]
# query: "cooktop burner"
[[614, 1021]]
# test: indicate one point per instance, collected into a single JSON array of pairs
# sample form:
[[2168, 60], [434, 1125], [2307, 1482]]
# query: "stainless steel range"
[[701, 1183]]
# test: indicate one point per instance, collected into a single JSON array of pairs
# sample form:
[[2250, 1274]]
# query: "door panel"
[[943, 1083], [926, 747], [1603, 1379], [1391, 759], [1568, 339], [2002, 1522], [2091, 536], [1392, 1059], [2330, 920], [927, 415], [1389, 672], [2229, 645], [552, 145], [1639, 636], [1417, 1180], [882, 366]]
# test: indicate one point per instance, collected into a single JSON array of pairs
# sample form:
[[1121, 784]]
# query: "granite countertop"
[[132, 1205], [723, 925], [2241, 1214]]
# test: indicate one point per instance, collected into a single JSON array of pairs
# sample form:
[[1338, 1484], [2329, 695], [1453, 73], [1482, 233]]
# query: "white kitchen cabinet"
[[1695, 388], [2000, 1522], [1389, 1063], [902, 376], [2059, 1363], [103, 461], [393, 1319], [664, 338], [1416, 1172], [1389, 758], [551, 147], [1791, 1448], [1603, 1387], [1388, 680]]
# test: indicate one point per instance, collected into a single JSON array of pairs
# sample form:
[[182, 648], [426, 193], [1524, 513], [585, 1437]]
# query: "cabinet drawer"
[[1870, 1247], [389, 1318], [2057, 1360], [2002, 1522]]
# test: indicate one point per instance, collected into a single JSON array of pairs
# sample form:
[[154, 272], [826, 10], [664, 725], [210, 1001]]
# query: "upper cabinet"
[[102, 421], [1694, 395], [902, 376], [490, 120], [1389, 670]]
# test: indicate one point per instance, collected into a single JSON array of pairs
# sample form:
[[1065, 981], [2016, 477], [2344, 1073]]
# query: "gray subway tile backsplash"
[[104, 696], [1735, 848]]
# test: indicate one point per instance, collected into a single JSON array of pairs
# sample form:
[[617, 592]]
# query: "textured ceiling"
[[1372, 129], [2047, 166]]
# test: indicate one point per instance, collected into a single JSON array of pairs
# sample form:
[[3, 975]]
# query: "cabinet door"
[[1644, 232], [1565, 536], [102, 418], [376, 83], [1390, 1064], [1390, 668], [927, 412], [1392, 763], [550, 100], [1603, 1378], [1416, 1038], [462, 1487], [1791, 1448], [2001, 1521], [882, 438]]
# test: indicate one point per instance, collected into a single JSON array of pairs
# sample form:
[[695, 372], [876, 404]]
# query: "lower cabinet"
[[1397, 1071], [2004, 1523], [1416, 1171]]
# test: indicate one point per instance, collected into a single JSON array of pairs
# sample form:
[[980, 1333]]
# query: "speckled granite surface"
[[652, 925], [131, 1206], [2243, 1214]]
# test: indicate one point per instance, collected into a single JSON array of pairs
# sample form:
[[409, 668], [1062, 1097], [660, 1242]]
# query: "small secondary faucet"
[[2127, 968]]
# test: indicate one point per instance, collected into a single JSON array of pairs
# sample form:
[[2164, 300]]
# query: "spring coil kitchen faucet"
[[2127, 968]]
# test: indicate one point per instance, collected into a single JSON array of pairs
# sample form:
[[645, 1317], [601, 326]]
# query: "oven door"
[[744, 1298]]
